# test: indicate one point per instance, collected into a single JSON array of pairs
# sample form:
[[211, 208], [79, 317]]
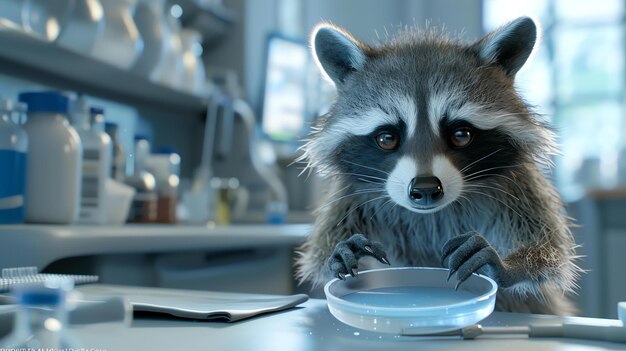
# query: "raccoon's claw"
[[347, 253], [354, 272], [468, 253], [450, 273]]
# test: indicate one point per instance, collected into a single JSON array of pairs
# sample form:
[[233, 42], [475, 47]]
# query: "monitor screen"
[[293, 90]]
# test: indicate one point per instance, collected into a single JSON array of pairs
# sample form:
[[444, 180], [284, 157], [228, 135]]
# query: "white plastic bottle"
[[13, 155], [54, 161], [97, 152]]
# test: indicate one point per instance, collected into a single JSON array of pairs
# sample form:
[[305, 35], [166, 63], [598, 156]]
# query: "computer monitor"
[[294, 93]]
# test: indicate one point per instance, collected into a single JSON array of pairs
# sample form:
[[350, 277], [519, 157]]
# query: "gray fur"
[[518, 211]]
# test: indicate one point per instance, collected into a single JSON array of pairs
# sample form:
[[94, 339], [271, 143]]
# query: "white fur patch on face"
[[514, 124], [397, 184], [438, 105], [363, 123], [408, 112], [406, 169]]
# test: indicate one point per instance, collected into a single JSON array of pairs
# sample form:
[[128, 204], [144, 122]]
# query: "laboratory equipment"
[[120, 43], [165, 166], [572, 330], [42, 317], [410, 300], [97, 151], [151, 22], [46, 18], [54, 161], [118, 165], [144, 206], [83, 27], [194, 73]]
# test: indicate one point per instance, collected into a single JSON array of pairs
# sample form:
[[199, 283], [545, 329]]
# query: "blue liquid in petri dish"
[[409, 297]]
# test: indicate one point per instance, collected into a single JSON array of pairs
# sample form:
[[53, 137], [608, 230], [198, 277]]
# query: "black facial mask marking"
[[490, 151], [364, 161]]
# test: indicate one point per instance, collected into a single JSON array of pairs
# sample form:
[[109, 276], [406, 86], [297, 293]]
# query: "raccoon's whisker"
[[465, 209], [380, 208], [492, 187], [480, 159], [359, 175], [338, 192], [495, 198], [469, 176], [501, 176], [362, 192], [368, 167], [355, 208], [513, 114], [370, 181], [492, 175]]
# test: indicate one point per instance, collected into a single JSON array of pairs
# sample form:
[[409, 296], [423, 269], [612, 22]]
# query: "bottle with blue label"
[[13, 154]]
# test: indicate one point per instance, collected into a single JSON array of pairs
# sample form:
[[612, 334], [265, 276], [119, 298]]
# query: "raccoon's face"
[[427, 118]]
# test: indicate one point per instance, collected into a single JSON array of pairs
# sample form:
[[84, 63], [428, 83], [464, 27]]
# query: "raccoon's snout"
[[425, 191]]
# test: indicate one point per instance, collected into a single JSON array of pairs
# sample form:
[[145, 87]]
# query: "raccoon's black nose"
[[425, 191]]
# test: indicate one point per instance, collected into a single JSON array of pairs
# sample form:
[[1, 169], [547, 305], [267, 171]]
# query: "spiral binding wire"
[[28, 275]]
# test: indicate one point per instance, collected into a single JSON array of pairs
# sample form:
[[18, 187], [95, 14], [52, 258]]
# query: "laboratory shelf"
[[31, 58], [40, 245]]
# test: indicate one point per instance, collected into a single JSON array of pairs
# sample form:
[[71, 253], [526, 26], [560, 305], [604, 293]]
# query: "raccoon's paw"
[[344, 259], [467, 253]]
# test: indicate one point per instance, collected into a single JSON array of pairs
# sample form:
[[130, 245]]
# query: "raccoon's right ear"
[[337, 52], [510, 46]]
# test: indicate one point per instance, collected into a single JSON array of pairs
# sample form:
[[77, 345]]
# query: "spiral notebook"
[[194, 304]]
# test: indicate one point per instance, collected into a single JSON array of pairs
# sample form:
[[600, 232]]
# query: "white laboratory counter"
[[311, 327], [40, 245]]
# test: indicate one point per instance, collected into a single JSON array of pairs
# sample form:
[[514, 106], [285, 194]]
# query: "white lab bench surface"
[[40, 245], [311, 327]]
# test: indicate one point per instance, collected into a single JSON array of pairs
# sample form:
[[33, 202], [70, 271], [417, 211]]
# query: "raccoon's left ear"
[[337, 52], [509, 46]]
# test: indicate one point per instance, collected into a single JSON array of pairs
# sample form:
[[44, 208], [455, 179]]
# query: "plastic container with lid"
[[54, 160], [97, 151], [13, 156]]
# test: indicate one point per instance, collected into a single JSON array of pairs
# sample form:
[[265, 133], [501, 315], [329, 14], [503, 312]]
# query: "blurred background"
[[178, 122]]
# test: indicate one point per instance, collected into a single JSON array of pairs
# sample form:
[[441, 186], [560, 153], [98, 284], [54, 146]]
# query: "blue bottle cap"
[[96, 110], [41, 298], [166, 150], [46, 101], [50, 292]]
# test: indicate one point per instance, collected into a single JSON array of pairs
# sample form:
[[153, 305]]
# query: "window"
[[577, 80]]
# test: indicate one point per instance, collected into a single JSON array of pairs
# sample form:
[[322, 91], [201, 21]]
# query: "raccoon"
[[433, 159]]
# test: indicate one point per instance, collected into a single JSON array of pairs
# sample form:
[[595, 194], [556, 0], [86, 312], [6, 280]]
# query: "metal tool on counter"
[[572, 330]]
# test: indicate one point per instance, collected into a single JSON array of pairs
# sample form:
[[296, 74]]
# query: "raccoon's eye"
[[387, 141], [461, 137]]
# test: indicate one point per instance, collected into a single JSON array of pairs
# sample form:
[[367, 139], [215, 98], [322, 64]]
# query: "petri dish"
[[410, 300]]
